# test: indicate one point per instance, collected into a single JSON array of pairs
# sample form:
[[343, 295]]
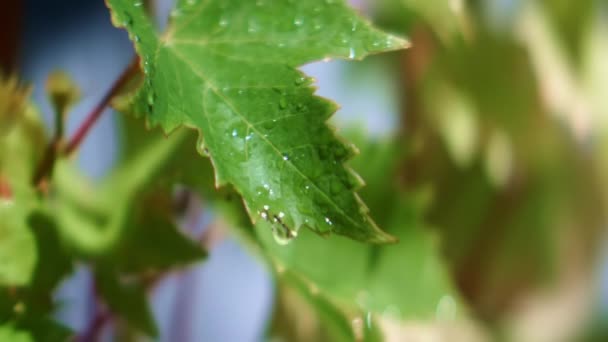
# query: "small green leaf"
[[92, 218], [155, 244], [228, 69], [127, 299]]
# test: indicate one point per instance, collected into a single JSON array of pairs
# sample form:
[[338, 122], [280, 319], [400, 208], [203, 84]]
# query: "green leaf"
[[227, 69], [127, 299], [22, 140], [155, 244], [54, 261], [94, 218], [128, 221], [17, 246], [403, 281], [9, 333]]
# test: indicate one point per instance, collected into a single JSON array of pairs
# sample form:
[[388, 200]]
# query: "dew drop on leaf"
[[281, 234], [351, 53]]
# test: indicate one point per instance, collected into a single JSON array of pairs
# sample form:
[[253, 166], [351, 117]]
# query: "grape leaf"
[[227, 69], [403, 281]]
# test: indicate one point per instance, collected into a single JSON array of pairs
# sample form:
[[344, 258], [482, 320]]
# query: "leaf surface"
[[228, 69], [405, 281]]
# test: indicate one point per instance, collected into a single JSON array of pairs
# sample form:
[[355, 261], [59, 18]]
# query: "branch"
[[45, 168], [95, 114]]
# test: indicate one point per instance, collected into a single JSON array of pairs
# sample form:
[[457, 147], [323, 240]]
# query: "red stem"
[[94, 115], [95, 328]]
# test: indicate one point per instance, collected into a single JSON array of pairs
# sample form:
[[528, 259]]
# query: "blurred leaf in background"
[[517, 196]]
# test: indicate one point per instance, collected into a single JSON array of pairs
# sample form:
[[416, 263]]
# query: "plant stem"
[[95, 328], [45, 168], [95, 114]]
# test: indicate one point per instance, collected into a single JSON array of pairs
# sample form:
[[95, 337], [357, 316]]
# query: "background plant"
[[492, 184]]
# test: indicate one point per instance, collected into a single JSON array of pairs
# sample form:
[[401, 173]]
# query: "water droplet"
[[328, 221], [298, 22], [138, 3], [285, 157], [269, 125], [223, 22], [283, 235], [235, 133], [351, 53], [300, 81]]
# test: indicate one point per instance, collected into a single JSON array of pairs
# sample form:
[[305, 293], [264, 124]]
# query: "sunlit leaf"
[[227, 68]]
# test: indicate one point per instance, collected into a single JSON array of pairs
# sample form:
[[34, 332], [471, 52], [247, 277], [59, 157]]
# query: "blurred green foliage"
[[494, 183]]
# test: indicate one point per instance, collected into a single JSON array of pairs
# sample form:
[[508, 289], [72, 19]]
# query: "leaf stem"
[[45, 168], [95, 114]]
